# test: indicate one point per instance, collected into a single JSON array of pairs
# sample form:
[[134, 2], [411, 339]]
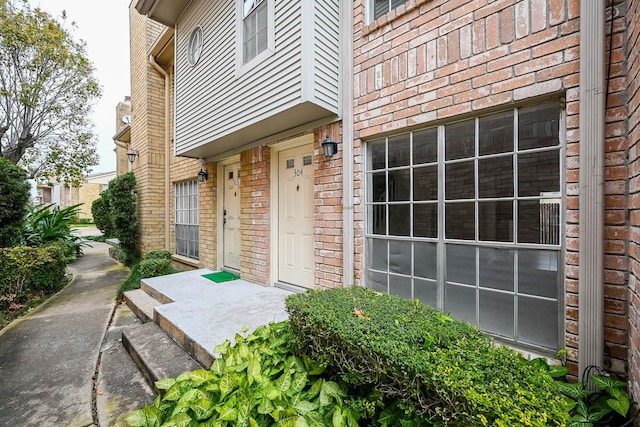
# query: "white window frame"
[[187, 218], [440, 242], [241, 66]]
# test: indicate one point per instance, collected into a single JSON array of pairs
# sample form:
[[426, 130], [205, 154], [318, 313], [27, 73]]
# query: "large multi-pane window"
[[254, 28], [466, 217], [187, 219], [382, 7]]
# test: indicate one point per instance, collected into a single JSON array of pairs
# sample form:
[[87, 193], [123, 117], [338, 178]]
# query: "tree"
[[14, 196], [47, 90]]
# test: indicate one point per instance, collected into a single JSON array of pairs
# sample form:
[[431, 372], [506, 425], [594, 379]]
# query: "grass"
[[100, 238]]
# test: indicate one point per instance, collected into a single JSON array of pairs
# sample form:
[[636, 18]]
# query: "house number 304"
[[297, 172]]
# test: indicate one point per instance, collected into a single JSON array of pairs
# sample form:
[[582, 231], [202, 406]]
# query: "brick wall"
[[433, 61], [633, 111], [88, 192], [255, 218], [328, 225]]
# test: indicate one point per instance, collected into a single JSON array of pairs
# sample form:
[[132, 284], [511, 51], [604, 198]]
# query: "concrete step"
[[156, 355], [141, 303], [190, 345], [154, 293]]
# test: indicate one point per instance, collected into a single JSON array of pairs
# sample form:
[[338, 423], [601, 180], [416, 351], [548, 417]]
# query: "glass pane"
[[425, 220], [378, 219], [377, 254], [495, 177], [538, 173], [380, 7], [496, 313], [460, 219], [496, 268], [460, 140], [459, 181], [377, 154], [538, 273], [461, 264], [460, 302], [400, 286], [425, 183], [377, 187], [538, 126], [539, 221], [495, 221], [399, 220], [399, 150], [399, 185], [400, 257], [377, 281], [426, 291], [425, 260], [538, 322], [425, 146], [495, 133]]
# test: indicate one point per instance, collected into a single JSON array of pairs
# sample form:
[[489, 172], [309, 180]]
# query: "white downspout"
[[167, 146], [347, 145], [592, 134]]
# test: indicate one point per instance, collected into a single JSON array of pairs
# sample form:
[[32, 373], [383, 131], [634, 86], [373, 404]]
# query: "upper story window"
[[382, 7], [255, 28], [195, 45]]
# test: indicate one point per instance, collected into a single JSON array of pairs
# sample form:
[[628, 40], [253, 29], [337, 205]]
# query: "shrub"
[[45, 224], [132, 281], [102, 214], [154, 267], [440, 369], [25, 269], [14, 196], [255, 382], [158, 254], [122, 208]]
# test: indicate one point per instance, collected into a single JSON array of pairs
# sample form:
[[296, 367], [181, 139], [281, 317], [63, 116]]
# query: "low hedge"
[[154, 267], [25, 269], [442, 370], [158, 254]]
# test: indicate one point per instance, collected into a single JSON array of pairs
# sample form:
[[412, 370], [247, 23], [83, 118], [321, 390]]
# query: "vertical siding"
[[214, 100], [327, 52]]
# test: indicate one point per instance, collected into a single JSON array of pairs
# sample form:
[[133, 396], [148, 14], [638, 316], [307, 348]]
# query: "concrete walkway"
[[49, 358]]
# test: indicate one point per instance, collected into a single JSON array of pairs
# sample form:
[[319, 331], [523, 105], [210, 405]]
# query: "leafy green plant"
[[609, 405], [14, 196], [45, 224], [102, 214], [158, 254], [435, 368], [131, 282], [154, 267], [122, 208], [254, 382]]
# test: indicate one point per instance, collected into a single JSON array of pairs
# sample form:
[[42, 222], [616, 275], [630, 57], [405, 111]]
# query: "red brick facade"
[[433, 61], [633, 113]]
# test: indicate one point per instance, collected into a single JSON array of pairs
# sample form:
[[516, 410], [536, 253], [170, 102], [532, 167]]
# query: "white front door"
[[295, 216], [231, 216]]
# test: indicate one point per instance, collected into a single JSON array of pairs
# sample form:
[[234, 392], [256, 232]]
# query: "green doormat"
[[221, 276]]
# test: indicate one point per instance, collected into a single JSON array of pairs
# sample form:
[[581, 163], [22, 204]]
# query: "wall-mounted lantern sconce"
[[132, 155], [330, 147], [202, 175]]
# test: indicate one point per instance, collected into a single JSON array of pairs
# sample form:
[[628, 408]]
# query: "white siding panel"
[[214, 99]]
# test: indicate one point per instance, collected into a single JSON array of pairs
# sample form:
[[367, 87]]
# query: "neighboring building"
[[122, 138], [486, 164]]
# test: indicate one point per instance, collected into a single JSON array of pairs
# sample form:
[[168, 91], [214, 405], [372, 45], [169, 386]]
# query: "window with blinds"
[[187, 219], [255, 28], [382, 7]]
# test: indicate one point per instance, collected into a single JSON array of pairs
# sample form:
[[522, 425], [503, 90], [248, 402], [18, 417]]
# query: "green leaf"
[[333, 389], [303, 407], [200, 376], [165, 384], [283, 384], [174, 393], [338, 420], [143, 418], [604, 383], [298, 383], [203, 409], [557, 371], [254, 370], [217, 367], [574, 390], [253, 423], [621, 403], [227, 384], [180, 420], [228, 412], [222, 348], [185, 376]]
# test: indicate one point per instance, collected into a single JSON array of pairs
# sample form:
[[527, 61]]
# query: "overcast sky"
[[104, 26]]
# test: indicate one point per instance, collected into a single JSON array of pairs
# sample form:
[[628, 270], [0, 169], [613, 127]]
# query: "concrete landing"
[[204, 314]]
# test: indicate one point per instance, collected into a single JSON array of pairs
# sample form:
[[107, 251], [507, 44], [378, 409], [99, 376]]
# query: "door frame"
[[306, 139], [220, 208]]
